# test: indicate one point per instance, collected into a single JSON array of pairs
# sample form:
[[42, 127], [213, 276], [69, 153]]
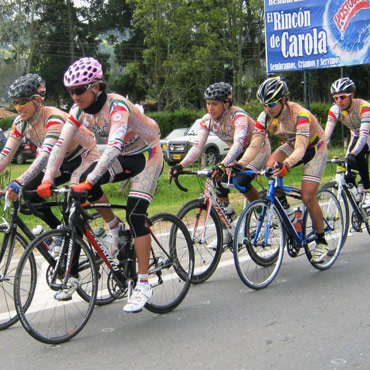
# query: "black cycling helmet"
[[219, 91], [344, 84], [272, 90], [28, 85]]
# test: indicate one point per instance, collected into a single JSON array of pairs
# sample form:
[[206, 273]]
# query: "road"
[[306, 319]]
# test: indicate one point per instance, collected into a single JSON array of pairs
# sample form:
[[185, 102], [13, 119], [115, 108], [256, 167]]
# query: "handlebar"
[[341, 161], [203, 173], [268, 172]]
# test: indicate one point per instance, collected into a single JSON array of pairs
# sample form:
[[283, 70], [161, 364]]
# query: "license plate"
[[176, 156]]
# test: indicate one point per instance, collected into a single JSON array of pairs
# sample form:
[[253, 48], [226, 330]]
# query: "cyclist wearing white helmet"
[[233, 126], [354, 114], [42, 125], [304, 142], [133, 151]]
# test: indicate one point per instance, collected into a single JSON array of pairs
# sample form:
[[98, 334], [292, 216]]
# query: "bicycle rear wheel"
[[333, 227], [258, 252], [343, 201], [206, 260], [8, 265], [47, 319], [171, 263]]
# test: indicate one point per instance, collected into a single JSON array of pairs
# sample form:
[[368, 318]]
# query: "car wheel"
[[211, 157], [19, 158]]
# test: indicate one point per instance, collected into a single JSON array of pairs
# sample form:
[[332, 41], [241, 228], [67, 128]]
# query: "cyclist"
[[43, 125], [304, 142], [233, 126], [355, 114], [133, 151]]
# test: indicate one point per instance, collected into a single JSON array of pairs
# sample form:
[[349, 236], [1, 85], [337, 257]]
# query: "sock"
[[321, 238], [114, 226], [142, 280]]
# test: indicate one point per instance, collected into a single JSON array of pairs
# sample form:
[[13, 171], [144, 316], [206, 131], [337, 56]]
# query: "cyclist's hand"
[[280, 169], [174, 170], [44, 190], [219, 171], [13, 190], [233, 169], [351, 161], [83, 186]]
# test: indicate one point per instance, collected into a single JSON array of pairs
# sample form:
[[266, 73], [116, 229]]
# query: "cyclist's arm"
[[53, 128], [301, 141], [10, 148], [253, 149], [331, 121], [59, 150], [197, 148], [364, 129]]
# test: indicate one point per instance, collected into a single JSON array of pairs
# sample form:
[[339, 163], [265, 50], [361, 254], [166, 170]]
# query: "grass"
[[171, 199]]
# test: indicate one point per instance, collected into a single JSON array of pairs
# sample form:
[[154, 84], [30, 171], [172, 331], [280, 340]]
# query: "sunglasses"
[[80, 90], [340, 97], [21, 103], [271, 105]]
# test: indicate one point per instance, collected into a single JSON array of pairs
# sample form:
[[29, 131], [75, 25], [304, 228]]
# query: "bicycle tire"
[[206, 259], [256, 261], [8, 313], [343, 201], [333, 227], [171, 264], [46, 319]]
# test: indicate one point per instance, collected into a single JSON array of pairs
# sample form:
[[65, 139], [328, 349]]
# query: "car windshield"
[[177, 132]]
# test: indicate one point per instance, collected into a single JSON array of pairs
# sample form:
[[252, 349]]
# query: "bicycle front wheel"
[[258, 245], [333, 228], [171, 263], [47, 319], [10, 256], [343, 201], [206, 259]]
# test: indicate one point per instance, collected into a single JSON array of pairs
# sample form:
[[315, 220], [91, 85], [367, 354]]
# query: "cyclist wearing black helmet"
[[42, 125], [355, 114], [233, 126], [304, 142]]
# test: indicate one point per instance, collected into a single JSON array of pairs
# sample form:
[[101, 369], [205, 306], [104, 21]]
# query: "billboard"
[[312, 34]]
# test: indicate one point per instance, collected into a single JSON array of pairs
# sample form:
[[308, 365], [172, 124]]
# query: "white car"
[[177, 149]]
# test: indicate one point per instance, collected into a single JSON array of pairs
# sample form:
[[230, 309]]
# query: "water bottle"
[[353, 190], [229, 211], [360, 188], [298, 224], [100, 232], [37, 231]]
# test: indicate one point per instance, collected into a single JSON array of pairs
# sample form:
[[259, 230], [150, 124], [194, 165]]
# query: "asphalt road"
[[306, 319]]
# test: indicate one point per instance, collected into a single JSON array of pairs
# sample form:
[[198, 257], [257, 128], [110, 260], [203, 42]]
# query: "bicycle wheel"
[[205, 259], [343, 201], [46, 319], [171, 263], [8, 265], [258, 252], [333, 227]]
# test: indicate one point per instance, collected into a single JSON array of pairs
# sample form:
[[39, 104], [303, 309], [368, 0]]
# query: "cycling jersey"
[[43, 130], [234, 127], [356, 118], [295, 125], [129, 133]]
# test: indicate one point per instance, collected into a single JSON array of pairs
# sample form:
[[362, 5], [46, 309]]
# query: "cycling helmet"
[[272, 90], [28, 85], [83, 72], [219, 91], [344, 84]]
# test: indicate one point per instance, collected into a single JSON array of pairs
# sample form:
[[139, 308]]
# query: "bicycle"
[[51, 321], [12, 245], [360, 211], [263, 229], [204, 217]]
